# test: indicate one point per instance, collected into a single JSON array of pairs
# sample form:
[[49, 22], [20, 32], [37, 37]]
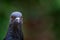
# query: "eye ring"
[[13, 17]]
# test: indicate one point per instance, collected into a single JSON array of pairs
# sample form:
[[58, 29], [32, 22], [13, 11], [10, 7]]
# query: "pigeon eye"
[[21, 17], [13, 17]]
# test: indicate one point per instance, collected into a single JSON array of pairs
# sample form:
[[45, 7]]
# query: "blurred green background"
[[39, 16]]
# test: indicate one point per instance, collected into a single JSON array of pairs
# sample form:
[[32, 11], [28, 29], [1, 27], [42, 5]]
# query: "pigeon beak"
[[17, 20]]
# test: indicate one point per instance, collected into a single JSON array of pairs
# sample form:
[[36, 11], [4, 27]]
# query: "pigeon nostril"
[[17, 20]]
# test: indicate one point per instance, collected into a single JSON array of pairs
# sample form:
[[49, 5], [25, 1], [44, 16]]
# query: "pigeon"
[[15, 27]]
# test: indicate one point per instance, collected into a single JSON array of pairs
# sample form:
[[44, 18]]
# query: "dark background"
[[41, 18]]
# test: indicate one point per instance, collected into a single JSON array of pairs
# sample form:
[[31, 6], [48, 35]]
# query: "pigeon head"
[[16, 17]]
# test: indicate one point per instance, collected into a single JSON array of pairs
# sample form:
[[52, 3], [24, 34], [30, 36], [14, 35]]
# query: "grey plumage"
[[15, 27]]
